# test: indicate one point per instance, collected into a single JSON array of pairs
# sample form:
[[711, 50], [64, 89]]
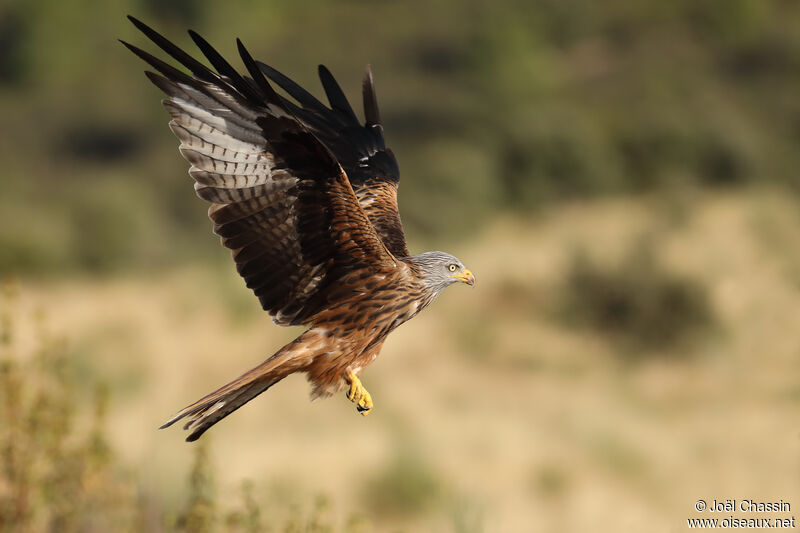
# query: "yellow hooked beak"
[[466, 277]]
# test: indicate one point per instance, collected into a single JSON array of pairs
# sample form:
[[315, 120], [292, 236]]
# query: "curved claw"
[[365, 403], [359, 395]]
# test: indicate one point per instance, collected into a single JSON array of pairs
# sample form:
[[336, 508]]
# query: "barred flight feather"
[[305, 197]]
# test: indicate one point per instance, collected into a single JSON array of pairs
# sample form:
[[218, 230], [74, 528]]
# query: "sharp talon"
[[365, 403], [359, 395]]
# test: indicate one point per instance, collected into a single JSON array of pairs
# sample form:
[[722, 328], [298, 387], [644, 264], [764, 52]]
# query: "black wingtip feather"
[[166, 86], [257, 75], [303, 97], [335, 94], [164, 68], [371, 115], [224, 68], [197, 68]]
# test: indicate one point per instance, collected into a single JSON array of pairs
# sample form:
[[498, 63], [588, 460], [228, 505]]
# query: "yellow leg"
[[359, 395]]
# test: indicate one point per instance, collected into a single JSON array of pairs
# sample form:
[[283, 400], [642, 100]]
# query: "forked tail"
[[212, 408]]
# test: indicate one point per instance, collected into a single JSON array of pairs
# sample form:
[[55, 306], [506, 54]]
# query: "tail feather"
[[215, 406], [214, 411], [212, 408], [252, 380]]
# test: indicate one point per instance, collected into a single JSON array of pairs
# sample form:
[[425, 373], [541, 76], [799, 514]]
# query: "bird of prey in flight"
[[305, 197]]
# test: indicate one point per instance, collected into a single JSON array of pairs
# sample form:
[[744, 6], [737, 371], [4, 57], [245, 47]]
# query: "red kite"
[[306, 199]]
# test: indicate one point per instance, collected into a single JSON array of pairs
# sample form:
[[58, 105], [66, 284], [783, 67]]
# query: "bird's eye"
[[452, 267]]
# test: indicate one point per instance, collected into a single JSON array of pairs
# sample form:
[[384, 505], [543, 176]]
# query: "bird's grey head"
[[440, 270]]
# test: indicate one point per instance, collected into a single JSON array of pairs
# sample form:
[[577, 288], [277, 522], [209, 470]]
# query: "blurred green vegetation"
[[637, 302], [58, 471], [489, 107], [407, 486], [513, 107]]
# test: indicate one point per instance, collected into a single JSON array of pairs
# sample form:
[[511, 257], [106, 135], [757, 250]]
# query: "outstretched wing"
[[361, 150], [279, 199]]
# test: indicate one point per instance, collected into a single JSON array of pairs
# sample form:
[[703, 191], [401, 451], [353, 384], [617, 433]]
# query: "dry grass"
[[492, 413]]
